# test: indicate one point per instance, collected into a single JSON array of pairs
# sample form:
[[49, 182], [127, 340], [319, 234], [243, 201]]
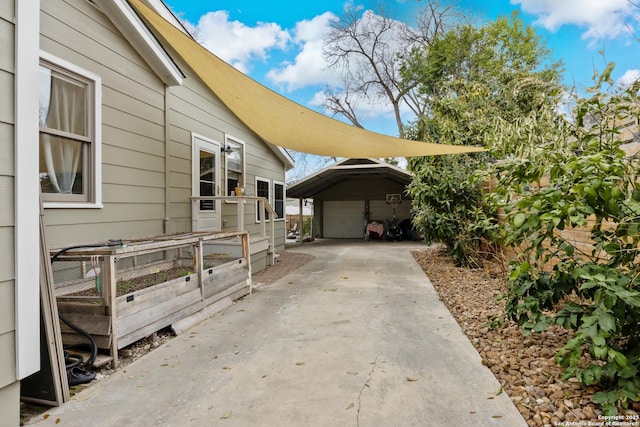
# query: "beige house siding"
[[193, 108], [132, 127], [263, 163], [133, 136], [133, 154], [9, 387]]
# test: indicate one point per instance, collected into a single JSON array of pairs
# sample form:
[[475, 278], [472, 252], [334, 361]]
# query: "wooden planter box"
[[115, 321]]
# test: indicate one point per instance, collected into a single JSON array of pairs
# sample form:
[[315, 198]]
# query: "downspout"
[[167, 180]]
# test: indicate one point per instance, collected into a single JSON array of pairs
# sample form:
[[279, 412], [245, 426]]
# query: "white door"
[[206, 182], [344, 219]]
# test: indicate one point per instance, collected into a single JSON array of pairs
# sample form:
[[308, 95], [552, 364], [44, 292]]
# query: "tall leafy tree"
[[475, 82], [472, 78]]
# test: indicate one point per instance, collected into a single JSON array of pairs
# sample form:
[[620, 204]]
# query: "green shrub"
[[594, 293], [448, 205]]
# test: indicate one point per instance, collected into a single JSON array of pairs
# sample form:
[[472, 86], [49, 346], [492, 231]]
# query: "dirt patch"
[[525, 366], [287, 262]]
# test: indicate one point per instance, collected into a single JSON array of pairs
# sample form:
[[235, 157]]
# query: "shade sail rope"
[[279, 120]]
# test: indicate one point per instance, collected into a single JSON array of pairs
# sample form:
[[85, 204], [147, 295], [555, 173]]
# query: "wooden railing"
[[240, 202]]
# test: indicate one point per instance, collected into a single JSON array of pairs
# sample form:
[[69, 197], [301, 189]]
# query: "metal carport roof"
[[346, 169]]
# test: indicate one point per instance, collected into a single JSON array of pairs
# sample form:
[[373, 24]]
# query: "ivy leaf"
[[606, 322]]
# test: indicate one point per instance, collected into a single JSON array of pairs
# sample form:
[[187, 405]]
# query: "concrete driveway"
[[355, 337]]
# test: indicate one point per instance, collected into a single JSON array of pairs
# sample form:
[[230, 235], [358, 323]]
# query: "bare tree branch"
[[368, 48], [341, 103]]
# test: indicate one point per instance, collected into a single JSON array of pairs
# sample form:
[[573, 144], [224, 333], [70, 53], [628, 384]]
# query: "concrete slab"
[[355, 337]]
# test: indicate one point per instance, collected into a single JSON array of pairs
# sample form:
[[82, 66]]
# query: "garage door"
[[344, 219]]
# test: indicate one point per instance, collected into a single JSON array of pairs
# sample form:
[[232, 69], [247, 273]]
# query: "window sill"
[[60, 205]]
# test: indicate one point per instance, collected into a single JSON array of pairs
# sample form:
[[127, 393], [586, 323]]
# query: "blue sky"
[[278, 43]]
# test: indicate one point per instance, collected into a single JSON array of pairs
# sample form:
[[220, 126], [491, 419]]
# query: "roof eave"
[[138, 34], [163, 10]]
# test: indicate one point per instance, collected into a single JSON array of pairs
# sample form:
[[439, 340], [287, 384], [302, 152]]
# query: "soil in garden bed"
[[141, 282], [124, 287]]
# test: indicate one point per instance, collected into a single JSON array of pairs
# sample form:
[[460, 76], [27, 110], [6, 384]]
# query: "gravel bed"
[[525, 366]]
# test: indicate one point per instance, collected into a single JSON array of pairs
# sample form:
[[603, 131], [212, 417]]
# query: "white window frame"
[[284, 199], [95, 155], [268, 181], [196, 147], [228, 140]]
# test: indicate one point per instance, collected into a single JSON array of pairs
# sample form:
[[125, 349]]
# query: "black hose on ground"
[[92, 342], [74, 363]]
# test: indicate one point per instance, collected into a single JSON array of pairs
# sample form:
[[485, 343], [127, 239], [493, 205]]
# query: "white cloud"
[[241, 45], [601, 18], [308, 67], [236, 43], [628, 78]]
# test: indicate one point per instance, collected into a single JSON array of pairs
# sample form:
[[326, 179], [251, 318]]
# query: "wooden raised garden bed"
[[121, 294]]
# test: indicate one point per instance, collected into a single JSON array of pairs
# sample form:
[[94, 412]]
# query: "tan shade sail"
[[279, 120]]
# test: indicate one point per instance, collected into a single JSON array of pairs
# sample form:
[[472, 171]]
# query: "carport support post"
[[300, 221]]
